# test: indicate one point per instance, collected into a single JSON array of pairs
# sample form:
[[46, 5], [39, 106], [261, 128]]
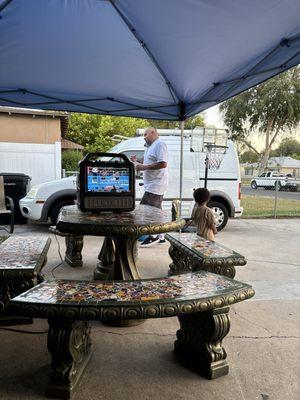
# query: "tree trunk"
[[265, 157]]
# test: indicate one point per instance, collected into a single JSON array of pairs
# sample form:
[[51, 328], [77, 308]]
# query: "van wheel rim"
[[219, 216]]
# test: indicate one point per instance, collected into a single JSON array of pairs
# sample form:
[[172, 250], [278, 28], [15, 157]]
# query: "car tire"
[[55, 209], [220, 213], [254, 185]]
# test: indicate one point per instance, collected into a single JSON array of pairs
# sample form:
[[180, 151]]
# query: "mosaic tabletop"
[[21, 253], [198, 244], [71, 219], [198, 285]]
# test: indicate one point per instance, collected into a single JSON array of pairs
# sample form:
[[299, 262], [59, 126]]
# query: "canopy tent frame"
[[174, 97], [181, 115]]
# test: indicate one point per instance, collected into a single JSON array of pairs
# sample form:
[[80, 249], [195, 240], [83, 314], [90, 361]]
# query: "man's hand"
[[139, 166]]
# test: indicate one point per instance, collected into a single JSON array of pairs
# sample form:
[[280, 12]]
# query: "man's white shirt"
[[156, 180]]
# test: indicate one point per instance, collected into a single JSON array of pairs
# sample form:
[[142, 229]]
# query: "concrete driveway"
[[137, 363]]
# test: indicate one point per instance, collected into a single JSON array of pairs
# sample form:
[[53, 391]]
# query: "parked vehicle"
[[45, 200], [273, 179]]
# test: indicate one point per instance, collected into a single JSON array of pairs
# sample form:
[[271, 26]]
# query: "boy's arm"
[[211, 222]]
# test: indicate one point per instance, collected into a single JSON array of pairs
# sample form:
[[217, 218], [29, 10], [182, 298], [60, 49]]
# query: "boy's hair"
[[201, 195]]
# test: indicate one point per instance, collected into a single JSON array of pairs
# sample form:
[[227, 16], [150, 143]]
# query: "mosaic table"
[[21, 262], [190, 252], [200, 300], [118, 253]]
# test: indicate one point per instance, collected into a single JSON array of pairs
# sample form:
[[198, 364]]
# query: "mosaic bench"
[[200, 300], [21, 262], [190, 252]]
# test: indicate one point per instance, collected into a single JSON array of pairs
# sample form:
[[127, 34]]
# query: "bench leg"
[[181, 262], [74, 246], [69, 344], [221, 268], [199, 341], [10, 288]]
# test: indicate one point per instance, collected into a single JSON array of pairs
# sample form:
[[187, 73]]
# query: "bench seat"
[[190, 252], [21, 262], [200, 300]]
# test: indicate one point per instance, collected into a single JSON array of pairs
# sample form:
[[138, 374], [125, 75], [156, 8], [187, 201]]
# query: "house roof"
[[31, 111], [283, 162], [69, 145]]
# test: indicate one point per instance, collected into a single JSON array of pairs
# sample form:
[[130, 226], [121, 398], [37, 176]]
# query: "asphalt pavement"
[[247, 190]]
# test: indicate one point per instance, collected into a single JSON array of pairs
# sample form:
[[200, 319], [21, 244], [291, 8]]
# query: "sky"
[[213, 117]]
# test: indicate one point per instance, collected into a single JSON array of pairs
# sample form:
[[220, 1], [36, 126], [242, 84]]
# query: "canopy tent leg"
[[181, 167]]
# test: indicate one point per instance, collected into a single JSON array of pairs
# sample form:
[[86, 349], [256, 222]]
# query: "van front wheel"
[[220, 214], [56, 209]]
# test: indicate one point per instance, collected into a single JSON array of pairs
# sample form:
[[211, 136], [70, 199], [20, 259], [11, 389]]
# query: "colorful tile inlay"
[[207, 248], [180, 287], [141, 215], [16, 253]]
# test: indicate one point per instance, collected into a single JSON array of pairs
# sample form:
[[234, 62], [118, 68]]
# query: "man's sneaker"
[[162, 241], [149, 241]]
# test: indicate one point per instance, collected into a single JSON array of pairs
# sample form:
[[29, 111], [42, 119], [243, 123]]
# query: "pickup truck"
[[273, 179]]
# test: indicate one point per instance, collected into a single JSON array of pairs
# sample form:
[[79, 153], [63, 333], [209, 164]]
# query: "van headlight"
[[32, 193]]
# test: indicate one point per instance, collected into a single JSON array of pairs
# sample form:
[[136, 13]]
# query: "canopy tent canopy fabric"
[[160, 59]]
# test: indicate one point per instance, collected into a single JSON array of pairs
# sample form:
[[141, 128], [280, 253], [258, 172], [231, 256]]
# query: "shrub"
[[70, 159]]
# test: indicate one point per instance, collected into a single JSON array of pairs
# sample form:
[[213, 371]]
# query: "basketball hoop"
[[214, 155], [213, 142]]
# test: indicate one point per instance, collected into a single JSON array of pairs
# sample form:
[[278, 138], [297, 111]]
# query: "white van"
[[224, 183]]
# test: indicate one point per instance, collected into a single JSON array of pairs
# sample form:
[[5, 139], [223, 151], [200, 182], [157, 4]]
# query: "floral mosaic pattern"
[[207, 248], [17, 255], [142, 215], [180, 287]]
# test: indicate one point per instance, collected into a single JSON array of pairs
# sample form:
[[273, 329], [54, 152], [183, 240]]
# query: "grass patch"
[[246, 181], [256, 206]]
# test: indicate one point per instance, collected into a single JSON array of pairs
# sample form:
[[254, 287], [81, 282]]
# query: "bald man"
[[155, 175]]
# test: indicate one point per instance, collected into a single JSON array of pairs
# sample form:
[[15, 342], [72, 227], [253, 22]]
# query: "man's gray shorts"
[[152, 199]]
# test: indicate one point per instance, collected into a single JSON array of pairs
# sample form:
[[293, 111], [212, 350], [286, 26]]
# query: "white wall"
[[40, 161]]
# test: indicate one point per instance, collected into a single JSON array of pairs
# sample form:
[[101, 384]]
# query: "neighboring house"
[[284, 165], [31, 142]]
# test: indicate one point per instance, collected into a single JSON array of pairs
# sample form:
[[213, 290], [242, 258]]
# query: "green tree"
[[95, 132], [270, 108], [288, 147], [248, 156], [190, 123]]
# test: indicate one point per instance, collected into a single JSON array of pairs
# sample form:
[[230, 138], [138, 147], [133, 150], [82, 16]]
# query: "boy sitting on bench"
[[203, 215]]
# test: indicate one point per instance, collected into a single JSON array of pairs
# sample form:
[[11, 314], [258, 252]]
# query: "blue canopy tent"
[[159, 59]]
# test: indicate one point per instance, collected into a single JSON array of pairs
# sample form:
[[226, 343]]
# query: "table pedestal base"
[[117, 259]]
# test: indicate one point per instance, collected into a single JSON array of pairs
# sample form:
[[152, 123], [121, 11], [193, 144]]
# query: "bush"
[[70, 159]]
